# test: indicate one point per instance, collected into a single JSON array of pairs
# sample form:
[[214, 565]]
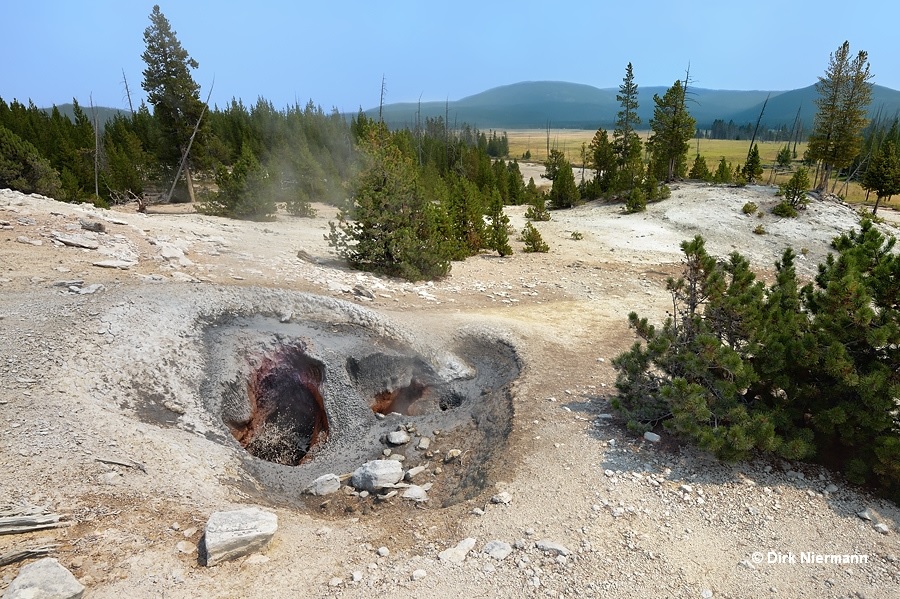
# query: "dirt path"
[[115, 372]]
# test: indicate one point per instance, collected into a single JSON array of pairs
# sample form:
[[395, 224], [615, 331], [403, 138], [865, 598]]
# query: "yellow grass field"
[[735, 151]]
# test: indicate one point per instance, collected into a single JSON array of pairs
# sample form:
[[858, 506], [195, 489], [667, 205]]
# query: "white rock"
[[424, 444], [398, 438], [457, 555], [383, 551], [498, 550], [376, 475], [44, 579], [236, 533], [185, 547], [414, 472], [324, 485], [419, 574], [415, 493], [652, 437], [882, 528], [551, 547], [502, 498]]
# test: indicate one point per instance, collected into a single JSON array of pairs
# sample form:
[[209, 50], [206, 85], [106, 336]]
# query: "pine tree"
[[626, 142], [391, 225], [498, 233], [753, 167], [172, 92], [23, 168], [883, 173], [563, 193], [672, 129], [603, 160], [699, 170], [533, 240], [844, 96]]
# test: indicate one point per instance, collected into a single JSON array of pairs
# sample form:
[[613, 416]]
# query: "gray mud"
[[371, 383]]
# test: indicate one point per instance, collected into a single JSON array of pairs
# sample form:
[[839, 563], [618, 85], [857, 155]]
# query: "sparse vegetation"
[[577, 236], [533, 240], [749, 208], [759, 230]]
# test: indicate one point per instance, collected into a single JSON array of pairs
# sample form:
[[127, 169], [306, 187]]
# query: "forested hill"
[[534, 104]]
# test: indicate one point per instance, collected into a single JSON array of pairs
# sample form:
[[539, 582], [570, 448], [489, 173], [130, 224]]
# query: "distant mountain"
[[104, 114], [534, 104]]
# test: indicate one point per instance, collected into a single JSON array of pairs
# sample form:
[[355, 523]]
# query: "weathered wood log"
[[11, 525], [20, 554]]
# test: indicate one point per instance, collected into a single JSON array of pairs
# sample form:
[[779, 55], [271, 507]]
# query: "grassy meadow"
[[735, 151]]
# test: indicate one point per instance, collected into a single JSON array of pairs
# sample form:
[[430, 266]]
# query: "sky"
[[336, 53]]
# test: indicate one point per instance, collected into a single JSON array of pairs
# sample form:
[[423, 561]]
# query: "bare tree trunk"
[[756, 129], [96, 149], [127, 93], [877, 201]]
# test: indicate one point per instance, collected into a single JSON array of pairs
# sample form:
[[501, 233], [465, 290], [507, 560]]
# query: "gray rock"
[[652, 437], [376, 475], [424, 444], [865, 515], [27, 241], [324, 485], [498, 550], [91, 289], [44, 579], [361, 291], [551, 547], [882, 528], [92, 225], [414, 472], [398, 438], [120, 264], [457, 555], [453, 454], [415, 493], [236, 533], [502, 498], [78, 241]]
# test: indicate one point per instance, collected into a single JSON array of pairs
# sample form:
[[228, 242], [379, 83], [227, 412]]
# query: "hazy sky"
[[335, 53]]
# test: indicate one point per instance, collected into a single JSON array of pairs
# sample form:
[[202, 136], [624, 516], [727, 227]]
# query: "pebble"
[[384, 551], [502, 498], [418, 574]]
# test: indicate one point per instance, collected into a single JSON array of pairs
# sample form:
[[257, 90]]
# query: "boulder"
[[44, 579], [236, 533], [376, 475], [324, 485]]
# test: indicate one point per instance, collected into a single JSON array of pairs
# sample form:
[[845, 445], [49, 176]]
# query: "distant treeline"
[[731, 130]]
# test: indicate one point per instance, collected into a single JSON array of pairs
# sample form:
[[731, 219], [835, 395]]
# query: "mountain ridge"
[[564, 105]]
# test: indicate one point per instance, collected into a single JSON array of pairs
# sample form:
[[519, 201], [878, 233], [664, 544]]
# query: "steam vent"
[[305, 398]]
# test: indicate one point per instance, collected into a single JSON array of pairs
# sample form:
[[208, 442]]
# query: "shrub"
[[803, 373], [759, 230], [533, 240], [749, 208], [636, 201], [577, 236], [784, 209], [794, 191]]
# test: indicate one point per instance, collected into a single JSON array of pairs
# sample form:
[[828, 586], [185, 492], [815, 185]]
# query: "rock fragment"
[[236, 533], [376, 475], [44, 579], [457, 554], [324, 485]]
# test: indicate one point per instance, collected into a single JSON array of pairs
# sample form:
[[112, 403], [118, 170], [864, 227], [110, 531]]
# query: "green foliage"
[[749, 208], [498, 229], [533, 240], [577, 236], [537, 209], [845, 93], [811, 373], [723, 172], [672, 129], [784, 158], [636, 201], [794, 191], [22, 168], [784, 209], [247, 191], [883, 173], [392, 226], [753, 167], [563, 192], [602, 159], [699, 170], [759, 230], [626, 144]]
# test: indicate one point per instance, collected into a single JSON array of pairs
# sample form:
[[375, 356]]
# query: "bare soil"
[[117, 374]]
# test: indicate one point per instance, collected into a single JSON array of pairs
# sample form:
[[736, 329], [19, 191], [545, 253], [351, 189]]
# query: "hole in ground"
[[287, 420]]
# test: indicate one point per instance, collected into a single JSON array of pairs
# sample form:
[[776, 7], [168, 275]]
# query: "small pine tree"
[[723, 172], [636, 201], [700, 170], [753, 167], [794, 191], [533, 240], [564, 192], [498, 231], [784, 158]]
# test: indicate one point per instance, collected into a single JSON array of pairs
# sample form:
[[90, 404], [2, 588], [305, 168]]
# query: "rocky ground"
[[103, 420]]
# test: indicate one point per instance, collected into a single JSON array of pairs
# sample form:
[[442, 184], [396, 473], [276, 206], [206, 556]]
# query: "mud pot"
[[306, 397]]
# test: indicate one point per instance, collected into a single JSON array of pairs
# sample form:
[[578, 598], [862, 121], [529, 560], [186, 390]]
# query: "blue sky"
[[335, 53]]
